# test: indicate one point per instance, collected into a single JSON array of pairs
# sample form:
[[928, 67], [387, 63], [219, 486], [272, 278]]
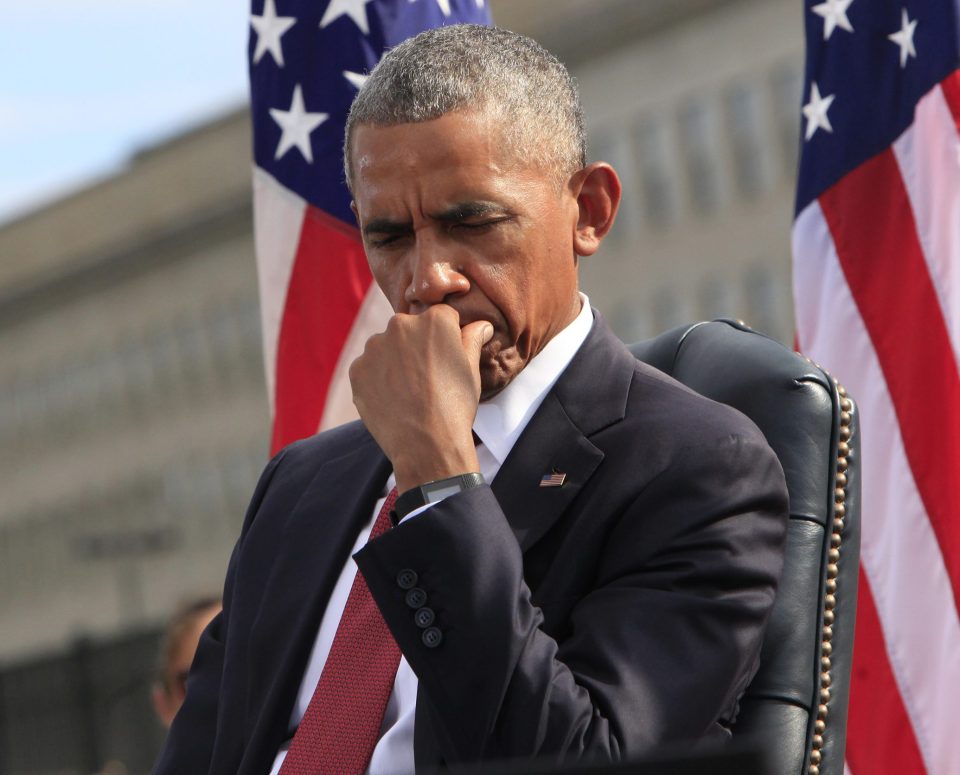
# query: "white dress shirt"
[[498, 424]]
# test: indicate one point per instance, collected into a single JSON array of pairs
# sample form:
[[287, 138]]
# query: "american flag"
[[876, 246], [556, 479], [317, 300]]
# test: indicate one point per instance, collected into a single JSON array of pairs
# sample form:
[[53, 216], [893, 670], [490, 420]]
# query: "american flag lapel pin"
[[555, 479]]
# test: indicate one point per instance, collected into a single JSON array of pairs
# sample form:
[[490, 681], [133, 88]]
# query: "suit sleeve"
[[658, 649], [189, 744]]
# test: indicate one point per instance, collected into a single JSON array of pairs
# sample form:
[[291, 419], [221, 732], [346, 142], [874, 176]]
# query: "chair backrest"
[[795, 708]]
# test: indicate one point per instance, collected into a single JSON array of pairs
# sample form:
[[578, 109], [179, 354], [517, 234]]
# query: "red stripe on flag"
[[871, 222], [329, 281], [951, 92], [879, 735]]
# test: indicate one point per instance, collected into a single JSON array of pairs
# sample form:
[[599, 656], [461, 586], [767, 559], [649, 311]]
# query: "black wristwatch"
[[431, 492]]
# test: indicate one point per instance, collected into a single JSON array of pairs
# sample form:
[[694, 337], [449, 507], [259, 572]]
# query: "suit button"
[[407, 579], [424, 617], [431, 637], [416, 598]]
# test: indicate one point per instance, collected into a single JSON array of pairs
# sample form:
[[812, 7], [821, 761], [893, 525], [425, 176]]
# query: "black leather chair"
[[795, 709]]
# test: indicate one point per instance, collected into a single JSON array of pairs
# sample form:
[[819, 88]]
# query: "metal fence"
[[84, 711]]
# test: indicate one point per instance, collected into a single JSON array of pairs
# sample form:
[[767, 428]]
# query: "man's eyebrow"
[[386, 227], [463, 211]]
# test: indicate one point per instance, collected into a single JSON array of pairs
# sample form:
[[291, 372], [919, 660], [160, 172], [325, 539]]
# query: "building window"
[[717, 299], [787, 88], [631, 320], [745, 119], [655, 163], [767, 299], [698, 134], [670, 309]]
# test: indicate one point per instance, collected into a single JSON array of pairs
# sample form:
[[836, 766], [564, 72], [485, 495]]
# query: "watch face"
[[439, 492]]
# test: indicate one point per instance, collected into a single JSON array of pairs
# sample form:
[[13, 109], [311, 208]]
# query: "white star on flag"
[[904, 38], [356, 79], [444, 6], [834, 13], [815, 111], [297, 124], [355, 9], [270, 28]]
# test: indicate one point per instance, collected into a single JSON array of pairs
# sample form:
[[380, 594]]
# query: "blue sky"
[[85, 84]]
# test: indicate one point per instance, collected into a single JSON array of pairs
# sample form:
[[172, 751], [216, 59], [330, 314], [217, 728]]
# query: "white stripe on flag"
[[900, 553], [277, 222], [928, 155], [371, 318]]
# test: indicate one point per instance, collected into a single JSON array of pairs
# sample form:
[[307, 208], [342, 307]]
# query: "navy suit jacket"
[[597, 619]]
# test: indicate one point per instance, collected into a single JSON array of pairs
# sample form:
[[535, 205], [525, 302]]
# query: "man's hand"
[[417, 386]]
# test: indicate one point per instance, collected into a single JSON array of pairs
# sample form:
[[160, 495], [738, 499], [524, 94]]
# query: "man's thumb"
[[474, 336]]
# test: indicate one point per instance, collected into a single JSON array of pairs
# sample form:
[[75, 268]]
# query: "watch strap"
[[431, 492]]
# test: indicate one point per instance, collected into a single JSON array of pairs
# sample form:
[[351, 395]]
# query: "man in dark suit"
[[587, 552]]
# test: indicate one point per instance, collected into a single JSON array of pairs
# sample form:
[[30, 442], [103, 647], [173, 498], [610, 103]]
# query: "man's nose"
[[435, 276]]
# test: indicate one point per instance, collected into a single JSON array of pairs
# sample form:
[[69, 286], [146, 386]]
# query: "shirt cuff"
[[420, 509]]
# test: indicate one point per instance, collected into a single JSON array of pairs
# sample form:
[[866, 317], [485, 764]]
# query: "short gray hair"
[[488, 69]]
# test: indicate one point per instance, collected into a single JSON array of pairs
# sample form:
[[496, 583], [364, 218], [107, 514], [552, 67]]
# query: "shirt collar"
[[502, 419]]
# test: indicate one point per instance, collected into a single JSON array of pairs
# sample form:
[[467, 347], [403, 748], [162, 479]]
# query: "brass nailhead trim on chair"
[[830, 589]]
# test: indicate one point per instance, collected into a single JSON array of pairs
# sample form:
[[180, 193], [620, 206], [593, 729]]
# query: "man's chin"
[[494, 377]]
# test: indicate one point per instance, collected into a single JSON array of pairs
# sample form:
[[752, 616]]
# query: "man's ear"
[[356, 214], [597, 190]]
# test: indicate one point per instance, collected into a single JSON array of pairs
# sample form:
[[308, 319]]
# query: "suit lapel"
[[317, 539], [550, 443], [590, 395]]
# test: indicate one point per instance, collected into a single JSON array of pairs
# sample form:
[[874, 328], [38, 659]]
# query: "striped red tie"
[[339, 730]]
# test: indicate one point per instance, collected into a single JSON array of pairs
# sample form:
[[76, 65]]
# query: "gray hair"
[[471, 67]]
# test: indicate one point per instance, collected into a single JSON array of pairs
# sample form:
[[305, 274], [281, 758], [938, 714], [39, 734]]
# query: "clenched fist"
[[417, 387]]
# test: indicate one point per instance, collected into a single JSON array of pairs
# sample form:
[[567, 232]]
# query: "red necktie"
[[339, 730]]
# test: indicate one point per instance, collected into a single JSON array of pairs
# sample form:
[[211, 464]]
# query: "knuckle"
[[395, 324], [371, 345], [444, 313]]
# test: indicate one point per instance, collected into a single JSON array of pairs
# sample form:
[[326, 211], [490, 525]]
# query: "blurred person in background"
[[177, 647]]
